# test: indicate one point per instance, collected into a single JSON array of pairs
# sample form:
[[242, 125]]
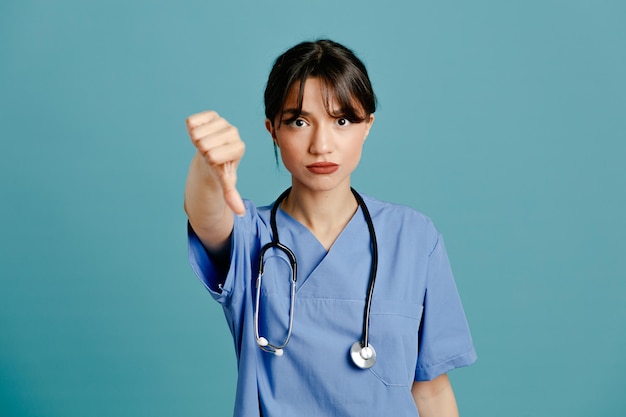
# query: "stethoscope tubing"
[[362, 353], [268, 347], [373, 269]]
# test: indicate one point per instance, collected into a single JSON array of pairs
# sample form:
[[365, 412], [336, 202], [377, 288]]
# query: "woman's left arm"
[[435, 398]]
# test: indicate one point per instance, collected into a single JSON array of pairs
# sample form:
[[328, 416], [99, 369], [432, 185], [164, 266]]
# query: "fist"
[[221, 147]]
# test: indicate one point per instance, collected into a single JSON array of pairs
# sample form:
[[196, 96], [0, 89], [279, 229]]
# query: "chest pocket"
[[394, 328]]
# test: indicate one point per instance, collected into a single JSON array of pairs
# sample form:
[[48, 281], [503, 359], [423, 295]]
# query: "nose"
[[321, 140]]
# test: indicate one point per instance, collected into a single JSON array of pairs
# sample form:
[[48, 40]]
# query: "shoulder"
[[253, 210], [403, 213], [256, 218], [401, 220]]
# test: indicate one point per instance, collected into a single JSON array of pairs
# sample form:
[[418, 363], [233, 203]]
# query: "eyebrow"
[[295, 111]]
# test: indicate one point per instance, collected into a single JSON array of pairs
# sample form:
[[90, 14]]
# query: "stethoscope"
[[362, 352]]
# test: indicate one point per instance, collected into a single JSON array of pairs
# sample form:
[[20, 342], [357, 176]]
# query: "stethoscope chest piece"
[[363, 356]]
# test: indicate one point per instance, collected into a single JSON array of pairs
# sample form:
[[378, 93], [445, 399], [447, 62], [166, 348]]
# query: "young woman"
[[339, 304]]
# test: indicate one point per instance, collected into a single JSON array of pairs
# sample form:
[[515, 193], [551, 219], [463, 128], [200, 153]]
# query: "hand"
[[222, 148]]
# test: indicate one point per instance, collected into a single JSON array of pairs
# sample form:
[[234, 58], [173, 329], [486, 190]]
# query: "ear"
[[271, 129], [369, 124]]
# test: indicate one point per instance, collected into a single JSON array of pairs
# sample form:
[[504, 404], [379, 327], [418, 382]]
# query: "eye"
[[342, 121], [297, 123]]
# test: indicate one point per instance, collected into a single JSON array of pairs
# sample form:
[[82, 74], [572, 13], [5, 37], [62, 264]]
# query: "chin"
[[322, 185]]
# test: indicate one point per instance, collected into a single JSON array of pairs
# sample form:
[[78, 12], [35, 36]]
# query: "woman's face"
[[318, 149]]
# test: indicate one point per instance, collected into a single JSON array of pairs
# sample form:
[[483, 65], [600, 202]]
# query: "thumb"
[[228, 181]]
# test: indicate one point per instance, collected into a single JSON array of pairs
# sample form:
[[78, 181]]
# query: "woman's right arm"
[[210, 194]]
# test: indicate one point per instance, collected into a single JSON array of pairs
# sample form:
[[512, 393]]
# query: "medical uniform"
[[417, 324]]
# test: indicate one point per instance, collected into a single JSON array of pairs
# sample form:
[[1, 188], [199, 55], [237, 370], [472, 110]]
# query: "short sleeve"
[[220, 286], [445, 342], [201, 263]]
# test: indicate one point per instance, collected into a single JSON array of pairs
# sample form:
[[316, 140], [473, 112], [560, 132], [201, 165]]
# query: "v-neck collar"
[[311, 255]]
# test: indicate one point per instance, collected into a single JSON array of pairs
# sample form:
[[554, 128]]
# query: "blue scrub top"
[[417, 324]]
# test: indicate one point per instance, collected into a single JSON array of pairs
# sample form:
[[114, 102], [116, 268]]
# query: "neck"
[[324, 213]]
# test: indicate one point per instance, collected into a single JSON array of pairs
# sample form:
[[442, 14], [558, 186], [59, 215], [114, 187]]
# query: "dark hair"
[[342, 73]]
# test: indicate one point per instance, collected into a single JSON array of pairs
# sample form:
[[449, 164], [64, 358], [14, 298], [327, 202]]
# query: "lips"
[[322, 168]]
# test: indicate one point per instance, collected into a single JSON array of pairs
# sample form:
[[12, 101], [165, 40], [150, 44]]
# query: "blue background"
[[504, 121]]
